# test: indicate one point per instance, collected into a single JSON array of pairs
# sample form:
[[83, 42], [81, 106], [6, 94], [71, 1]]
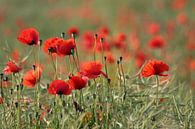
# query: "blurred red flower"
[[119, 42], [59, 87], [1, 100], [51, 44], [110, 57], [140, 58], [154, 67], [31, 77], [182, 18], [171, 25], [59, 46], [11, 67], [92, 69], [134, 41], [15, 55], [192, 65], [65, 47], [157, 42], [105, 45], [179, 4], [29, 36], [154, 28], [104, 30], [88, 41], [191, 46], [73, 30], [78, 82]]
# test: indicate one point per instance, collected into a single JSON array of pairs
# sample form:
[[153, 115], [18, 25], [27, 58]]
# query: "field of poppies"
[[97, 64]]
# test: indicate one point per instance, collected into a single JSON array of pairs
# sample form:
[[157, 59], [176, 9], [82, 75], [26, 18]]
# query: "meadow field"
[[97, 64]]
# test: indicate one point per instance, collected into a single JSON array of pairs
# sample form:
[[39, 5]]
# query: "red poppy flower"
[[104, 30], [157, 42], [179, 4], [192, 65], [65, 47], [29, 36], [15, 55], [31, 77], [171, 25], [1, 100], [154, 67], [153, 28], [191, 46], [51, 45], [59, 87], [105, 45], [73, 30], [182, 18], [78, 82], [120, 41], [88, 41], [110, 57], [92, 69], [134, 41], [140, 58], [11, 68]]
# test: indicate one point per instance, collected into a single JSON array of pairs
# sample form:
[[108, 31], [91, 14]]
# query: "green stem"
[[94, 101], [18, 109], [75, 62], [77, 55], [94, 48], [123, 74], [157, 90]]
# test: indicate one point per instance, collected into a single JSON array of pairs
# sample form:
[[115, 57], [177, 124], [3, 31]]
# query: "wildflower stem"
[[123, 74], [105, 64], [94, 98], [54, 66], [77, 55], [94, 49], [119, 72], [157, 90], [80, 98], [37, 87], [2, 95], [75, 62], [18, 107], [102, 49], [71, 68]]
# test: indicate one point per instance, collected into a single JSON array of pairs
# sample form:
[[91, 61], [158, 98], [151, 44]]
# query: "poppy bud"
[[5, 79], [96, 36], [40, 42], [121, 58], [109, 80], [102, 40], [105, 58], [18, 87], [1, 75], [11, 91], [34, 67], [63, 35], [16, 104], [74, 35]]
